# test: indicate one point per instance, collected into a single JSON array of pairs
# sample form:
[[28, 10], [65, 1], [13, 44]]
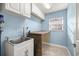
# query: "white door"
[[77, 27]]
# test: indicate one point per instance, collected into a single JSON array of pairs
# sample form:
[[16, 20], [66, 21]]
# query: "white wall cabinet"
[[37, 12], [14, 7], [23, 9]]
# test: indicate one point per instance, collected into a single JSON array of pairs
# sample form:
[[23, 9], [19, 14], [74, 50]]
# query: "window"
[[56, 24]]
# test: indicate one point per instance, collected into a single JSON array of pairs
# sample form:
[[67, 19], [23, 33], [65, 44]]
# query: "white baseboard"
[[58, 46]]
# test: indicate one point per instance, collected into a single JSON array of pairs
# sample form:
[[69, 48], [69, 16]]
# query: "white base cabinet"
[[25, 48]]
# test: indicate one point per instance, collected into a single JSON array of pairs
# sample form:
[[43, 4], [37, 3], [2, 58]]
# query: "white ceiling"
[[54, 7]]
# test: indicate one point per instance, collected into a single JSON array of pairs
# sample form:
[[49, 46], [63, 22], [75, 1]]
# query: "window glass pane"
[[56, 24]]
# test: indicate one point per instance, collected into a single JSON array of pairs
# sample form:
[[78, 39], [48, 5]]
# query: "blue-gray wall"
[[71, 27], [58, 37], [13, 26]]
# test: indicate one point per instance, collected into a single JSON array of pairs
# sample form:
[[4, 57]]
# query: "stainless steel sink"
[[20, 40]]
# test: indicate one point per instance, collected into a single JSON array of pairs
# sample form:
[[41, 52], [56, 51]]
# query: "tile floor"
[[53, 50]]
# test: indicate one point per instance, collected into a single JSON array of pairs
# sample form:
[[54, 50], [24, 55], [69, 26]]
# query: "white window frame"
[[55, 22]]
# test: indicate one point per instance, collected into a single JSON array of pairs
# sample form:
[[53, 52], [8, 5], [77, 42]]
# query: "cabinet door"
[[14, 7], [30, 49], [25, 49], [37, 12], [25, 9], [28, 9]]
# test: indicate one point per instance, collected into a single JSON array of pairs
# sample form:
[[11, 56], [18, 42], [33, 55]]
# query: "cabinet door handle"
[[26, 53]]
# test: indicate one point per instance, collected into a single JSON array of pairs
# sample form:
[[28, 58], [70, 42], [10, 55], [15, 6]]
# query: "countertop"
[[39, 32]]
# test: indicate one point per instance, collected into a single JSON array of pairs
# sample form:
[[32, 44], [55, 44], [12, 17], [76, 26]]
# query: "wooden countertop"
[[39, 32]]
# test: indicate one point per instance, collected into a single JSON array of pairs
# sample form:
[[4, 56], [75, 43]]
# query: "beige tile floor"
[[53, 50]]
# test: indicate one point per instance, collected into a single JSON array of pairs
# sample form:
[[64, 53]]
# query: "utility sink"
[[20, 40], [19, 47]]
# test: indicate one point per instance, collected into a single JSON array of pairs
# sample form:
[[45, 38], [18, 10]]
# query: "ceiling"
[[54, 7]]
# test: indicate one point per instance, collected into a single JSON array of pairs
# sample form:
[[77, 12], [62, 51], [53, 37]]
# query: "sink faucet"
[[25, 32]]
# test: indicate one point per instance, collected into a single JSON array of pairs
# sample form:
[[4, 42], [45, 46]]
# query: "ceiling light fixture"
[[47, 5]]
